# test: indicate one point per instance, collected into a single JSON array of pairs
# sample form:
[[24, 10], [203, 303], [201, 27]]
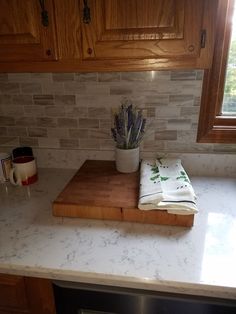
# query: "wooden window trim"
[[214, 127]]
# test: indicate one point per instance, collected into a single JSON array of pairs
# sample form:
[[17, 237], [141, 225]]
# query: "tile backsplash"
[[73, 111]]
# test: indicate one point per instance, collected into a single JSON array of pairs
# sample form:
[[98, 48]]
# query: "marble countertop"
[[200, 260]]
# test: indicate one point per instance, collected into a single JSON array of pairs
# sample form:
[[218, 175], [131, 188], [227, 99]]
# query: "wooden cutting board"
[[99, 191]]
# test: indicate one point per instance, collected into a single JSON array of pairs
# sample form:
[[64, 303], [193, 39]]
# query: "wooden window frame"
[[213, 127]]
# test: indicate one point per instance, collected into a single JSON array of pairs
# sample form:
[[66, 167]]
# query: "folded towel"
[[165, 185], [150, 193]]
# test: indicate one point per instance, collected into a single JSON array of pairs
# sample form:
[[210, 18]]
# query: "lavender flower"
[[129, 126]]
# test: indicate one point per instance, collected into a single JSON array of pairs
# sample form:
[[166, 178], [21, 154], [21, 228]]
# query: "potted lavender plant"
[[128, 132]]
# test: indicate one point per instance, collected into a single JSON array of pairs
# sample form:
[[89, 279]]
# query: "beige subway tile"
[[9, 141], [194, 126], [58, 132], [187, 136], [67, 122], [3, 131], [149, 88], [187, 147], [5, 99], [89, 143], [199, 75], [187, 100], [183, 75], [179, 124], [152, 145], [107, 144], [120, 90], [98, 89], [104, 134], [3, 77], [166, 135], [13, 110], [19, 77], [78, 133], [17, 131], [31, 88], [160, 75], [29, 141], [55, 111], [41, 76], [53, 88], [24, 100], [167, 112], [226, 148], [102, 112], [34, 110], [154, 100], [189, 111], [26, 121], [156, 124], [68, 100], [150, 112], [105, 124], [84, 100], [109, 77], [37, 132], [62, 77], [7, 121], [9, 88], [86, 77], [187, 88], [89, 123], [197, 101], [144, 76], [69, 143], [45, 100], [46, 122], [72, 88], [76, 111], [49, 142]]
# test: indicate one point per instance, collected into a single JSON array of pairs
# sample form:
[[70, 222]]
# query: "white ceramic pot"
[[127, 160]]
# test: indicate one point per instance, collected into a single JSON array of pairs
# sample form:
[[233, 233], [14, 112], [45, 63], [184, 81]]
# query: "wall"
[[72, 111]]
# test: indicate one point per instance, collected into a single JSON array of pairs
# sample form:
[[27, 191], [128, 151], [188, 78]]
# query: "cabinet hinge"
[[203, 38]]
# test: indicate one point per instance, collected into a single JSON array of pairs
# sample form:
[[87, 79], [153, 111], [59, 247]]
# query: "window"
[[217, 120]]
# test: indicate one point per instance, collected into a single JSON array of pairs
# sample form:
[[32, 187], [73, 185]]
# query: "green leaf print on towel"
[[183, 177], [155, 174], [164, 178]]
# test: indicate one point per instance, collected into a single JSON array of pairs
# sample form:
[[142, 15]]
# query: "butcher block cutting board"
[[99, 191]]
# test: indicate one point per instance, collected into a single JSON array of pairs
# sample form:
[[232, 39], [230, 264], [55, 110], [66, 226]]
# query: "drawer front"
[[12, 292]]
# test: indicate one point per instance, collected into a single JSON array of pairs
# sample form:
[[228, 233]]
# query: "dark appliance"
[[95, 299]]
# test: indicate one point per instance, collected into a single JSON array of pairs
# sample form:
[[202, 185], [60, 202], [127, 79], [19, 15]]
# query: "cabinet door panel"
[[22, 35], [12, 292], [142, 29]]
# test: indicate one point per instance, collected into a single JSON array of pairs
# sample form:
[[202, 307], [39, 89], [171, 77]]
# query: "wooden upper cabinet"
[[121, 35], [142, 29], [23, 37]]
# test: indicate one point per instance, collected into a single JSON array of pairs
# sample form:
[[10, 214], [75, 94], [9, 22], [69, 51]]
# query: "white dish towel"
[[164, 184]]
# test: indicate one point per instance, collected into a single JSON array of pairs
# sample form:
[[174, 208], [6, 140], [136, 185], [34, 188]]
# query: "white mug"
[[5, 166], [24, 171]]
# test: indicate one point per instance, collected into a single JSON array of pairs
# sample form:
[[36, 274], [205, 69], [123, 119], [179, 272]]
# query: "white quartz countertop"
[[200, 260]]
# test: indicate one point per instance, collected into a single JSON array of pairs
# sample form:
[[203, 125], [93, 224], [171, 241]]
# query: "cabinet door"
[[23, 37], [142, 29], [12, 293], [26, 295]]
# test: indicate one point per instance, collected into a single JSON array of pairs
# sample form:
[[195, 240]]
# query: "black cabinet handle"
[[86, 13], [44, 14]]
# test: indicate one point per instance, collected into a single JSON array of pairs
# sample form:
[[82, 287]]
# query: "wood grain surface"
[[99, 191]]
